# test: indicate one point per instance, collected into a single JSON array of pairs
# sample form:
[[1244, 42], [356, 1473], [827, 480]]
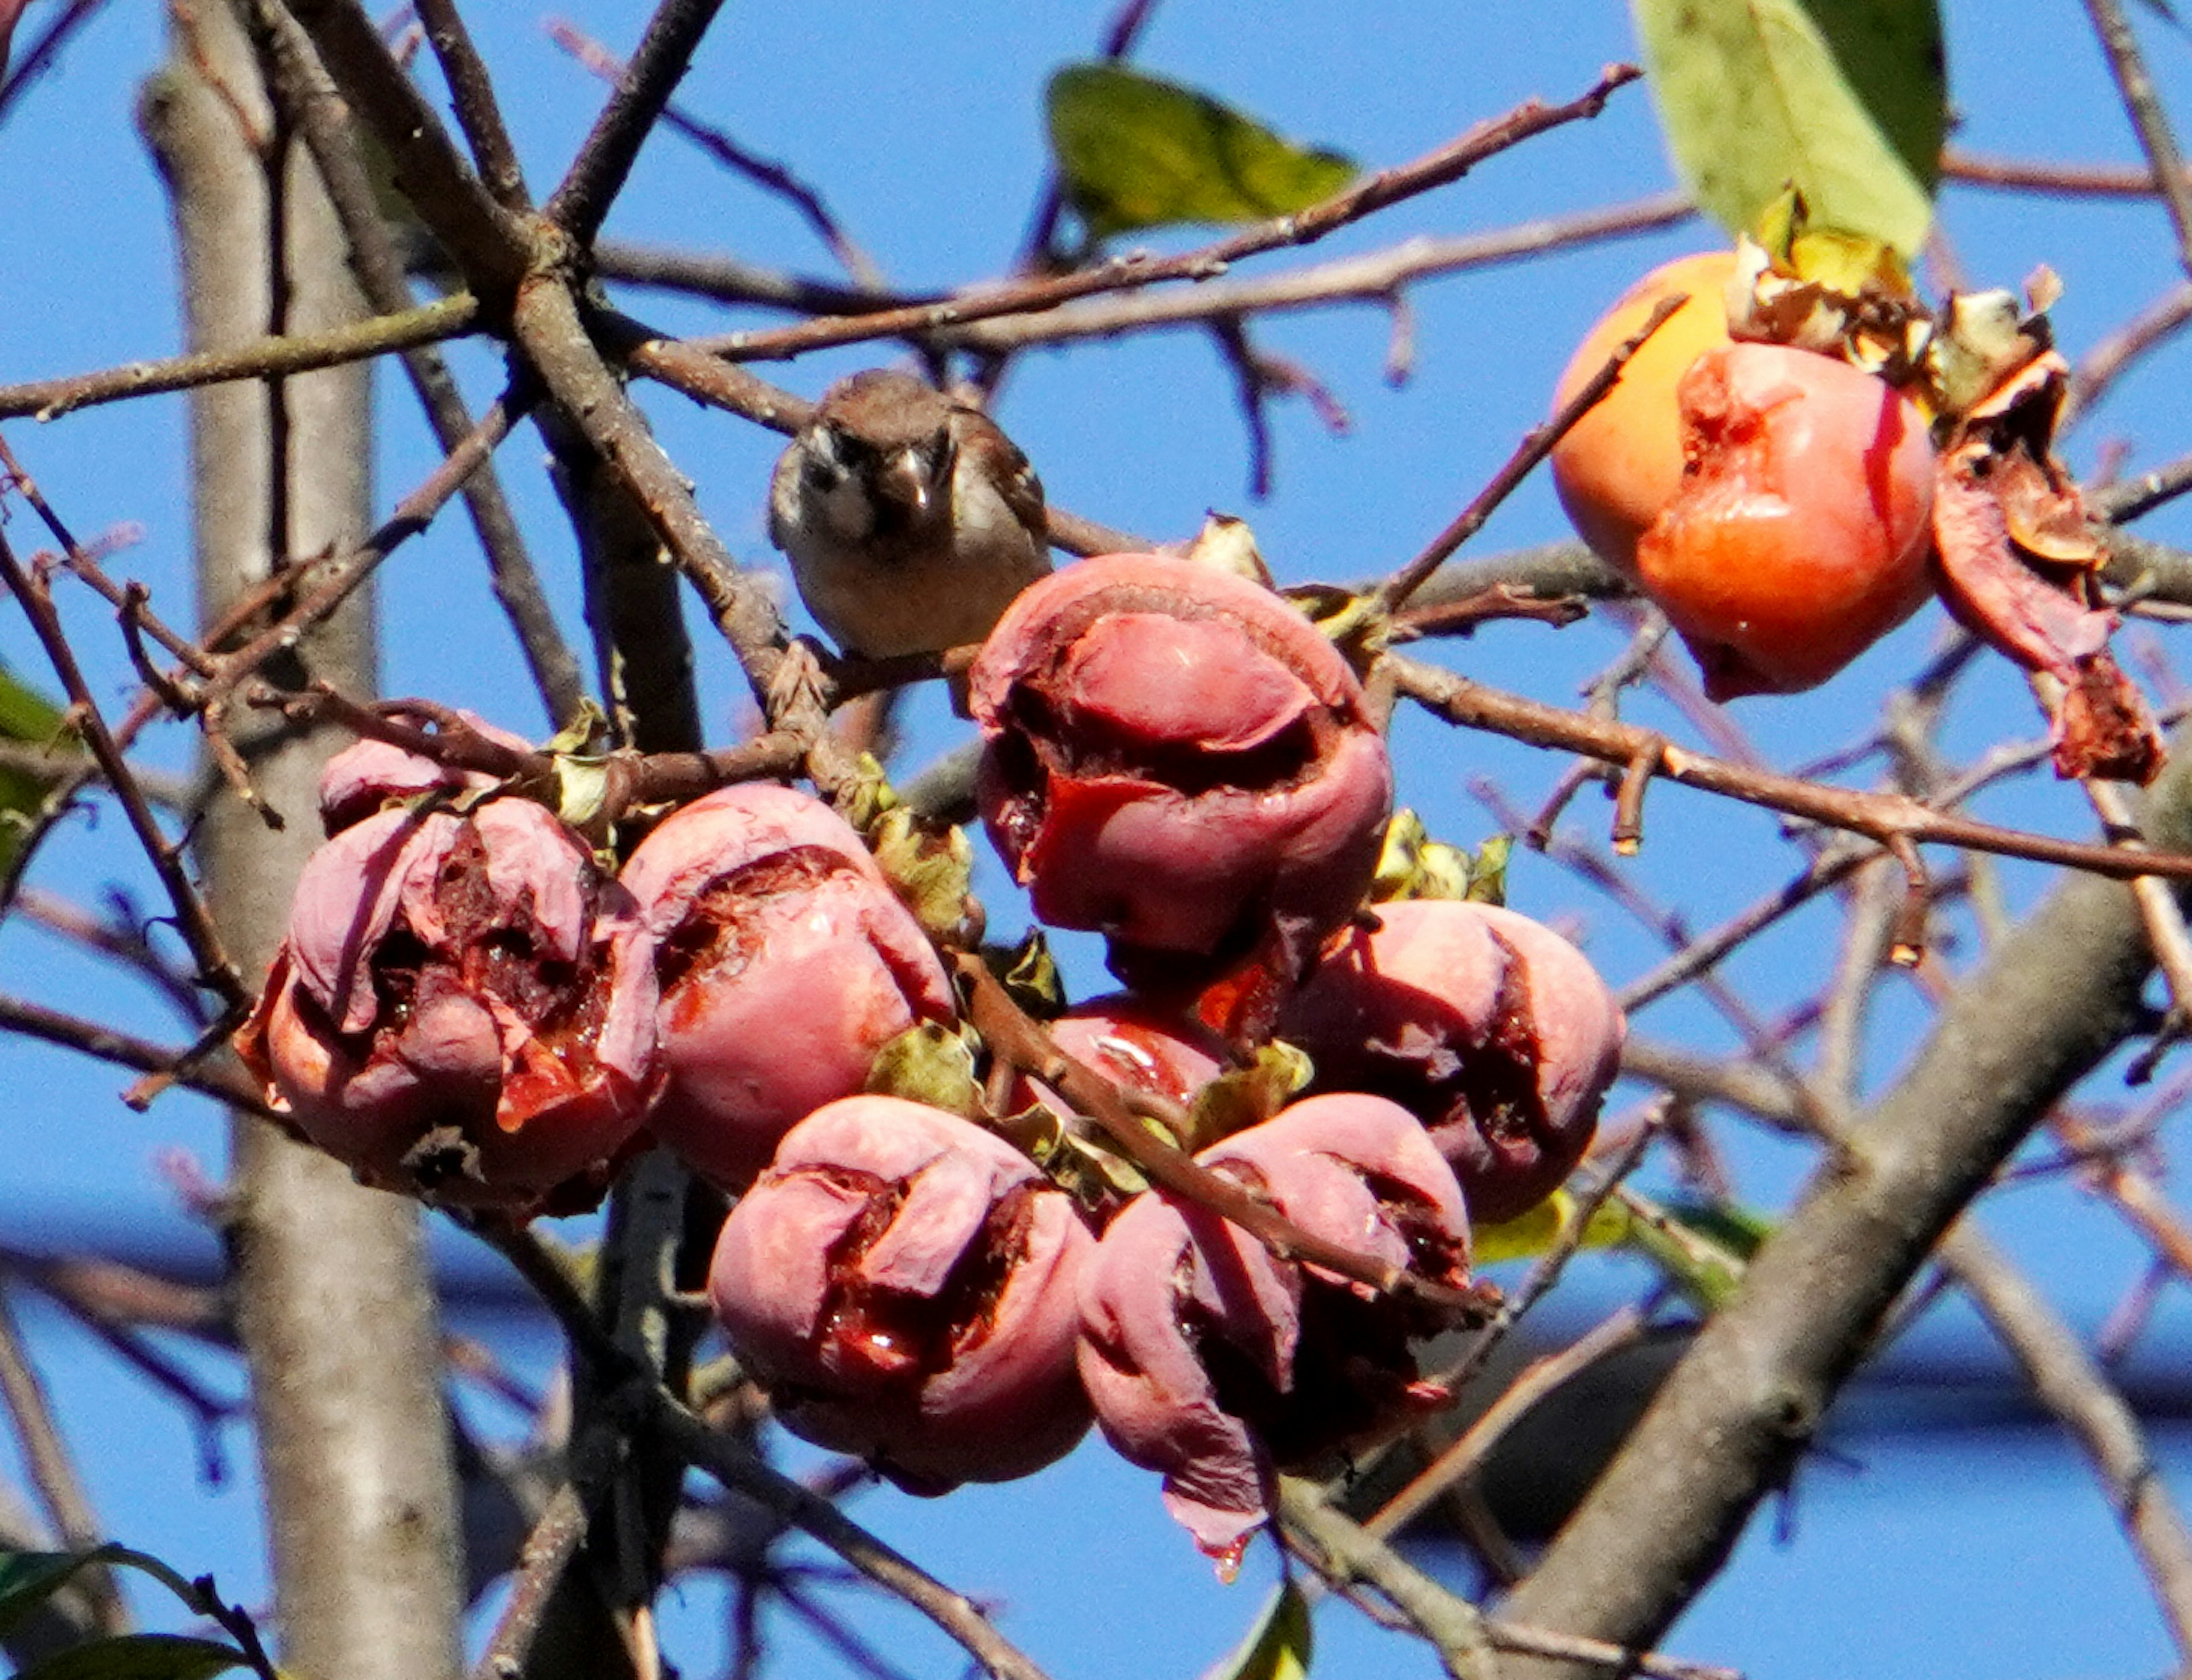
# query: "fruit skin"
[[1214, 1362], [785, 962], [1802, 531], [368, 774], [904, 1284], [1490, 1028], [459, 1011], [1141, 1045], [1622, 462], [1173, 756]]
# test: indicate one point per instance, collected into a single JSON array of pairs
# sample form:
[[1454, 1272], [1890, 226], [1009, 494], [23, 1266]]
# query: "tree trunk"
[[333, 1291]]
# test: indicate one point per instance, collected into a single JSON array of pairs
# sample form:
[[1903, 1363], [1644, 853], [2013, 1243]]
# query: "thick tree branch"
[[1730, 1423]]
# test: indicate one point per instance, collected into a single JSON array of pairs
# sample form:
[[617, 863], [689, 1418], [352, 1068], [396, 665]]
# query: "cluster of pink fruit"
[[469, 1008]]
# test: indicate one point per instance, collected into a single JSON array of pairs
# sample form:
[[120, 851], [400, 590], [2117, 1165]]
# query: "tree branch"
[[1731, 1422]]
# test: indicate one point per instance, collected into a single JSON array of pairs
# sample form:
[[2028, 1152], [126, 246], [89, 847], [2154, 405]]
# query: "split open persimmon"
[[1801, 533], [1774, 502]]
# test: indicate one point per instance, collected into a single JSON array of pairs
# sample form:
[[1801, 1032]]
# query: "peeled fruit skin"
[[1213, 1362], [1175, 757], [1622, 462], [1491, 1029], [459, 1012], [785, 962], [1802, 531], [904, 1284]]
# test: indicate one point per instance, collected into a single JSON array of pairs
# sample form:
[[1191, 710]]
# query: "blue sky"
[[1929, 1555]]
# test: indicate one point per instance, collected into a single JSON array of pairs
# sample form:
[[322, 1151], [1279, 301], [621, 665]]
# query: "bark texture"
[[333, 1292]]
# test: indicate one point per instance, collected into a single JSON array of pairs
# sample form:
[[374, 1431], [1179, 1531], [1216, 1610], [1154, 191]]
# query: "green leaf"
[[28, 1579], [24, 714], [1243, 1097], [1845, 99], [139, 1656], [28, 716], [1278, 1645], [928, 1063], [932, 868], [1701, 1249], [1136, 151]]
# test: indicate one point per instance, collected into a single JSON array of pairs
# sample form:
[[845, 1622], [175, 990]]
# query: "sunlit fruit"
[[905, 1285], [1175, 757], [785, 962], [1622, 462], [1800, 532], [1213, 1361]]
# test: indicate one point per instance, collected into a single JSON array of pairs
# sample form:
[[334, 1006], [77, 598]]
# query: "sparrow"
[[910, 520]]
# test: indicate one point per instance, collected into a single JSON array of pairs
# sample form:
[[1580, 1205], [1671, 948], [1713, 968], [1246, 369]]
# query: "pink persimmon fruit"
[[904, 1284]]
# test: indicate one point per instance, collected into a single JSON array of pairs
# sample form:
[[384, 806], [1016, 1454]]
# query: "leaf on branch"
[[1528, 1235], [139, 1656], [1846, 100], [27, 717], [28, 1579], [1700, 1249], [1134, 151], [1278, 1645]]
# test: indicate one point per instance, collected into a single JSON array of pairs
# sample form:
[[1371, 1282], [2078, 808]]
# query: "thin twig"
[[2128, 65], [664, 52], [1378, 277], [95, 1038], [492, 246], [2067, 1381], [771, 176], [1013, 1036], [1345, 1554], [52, 1468], [272, 358], [192, 919], [1623, 1328], [471, 91], [1440, 168], [1538, 443], [1887, 817], [301, 83], [737, 1466]]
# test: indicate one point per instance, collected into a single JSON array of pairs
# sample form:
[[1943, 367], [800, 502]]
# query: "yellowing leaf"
[[928, 1063], [1133, 151], [1528, 1235], [1846, 100], [28, 717], [1278, 1645]]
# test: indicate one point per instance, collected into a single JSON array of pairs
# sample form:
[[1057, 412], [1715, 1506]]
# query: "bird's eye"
[[824, 465]]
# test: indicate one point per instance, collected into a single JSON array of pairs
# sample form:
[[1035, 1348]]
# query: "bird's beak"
[[904, 479]]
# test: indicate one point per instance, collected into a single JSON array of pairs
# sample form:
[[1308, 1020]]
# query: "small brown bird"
[[910, 520]]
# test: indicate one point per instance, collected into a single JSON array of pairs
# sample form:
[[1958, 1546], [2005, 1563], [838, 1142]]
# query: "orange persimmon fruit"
[[1774, 502], [1622, 462]]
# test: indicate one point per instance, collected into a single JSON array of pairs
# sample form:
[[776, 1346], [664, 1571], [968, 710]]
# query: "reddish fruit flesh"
[[1176, 757], [1801, 533]]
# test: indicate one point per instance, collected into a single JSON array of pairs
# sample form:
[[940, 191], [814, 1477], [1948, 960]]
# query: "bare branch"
[[281, 354], [598, 173]]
